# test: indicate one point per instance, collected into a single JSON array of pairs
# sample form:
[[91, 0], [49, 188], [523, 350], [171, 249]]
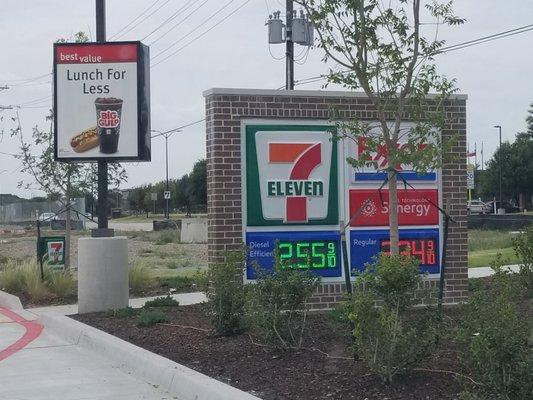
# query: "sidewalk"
[[482, 272], [37, 364], [184, 299]]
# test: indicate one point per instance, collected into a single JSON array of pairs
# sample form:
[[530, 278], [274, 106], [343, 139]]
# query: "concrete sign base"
[[102, 274]]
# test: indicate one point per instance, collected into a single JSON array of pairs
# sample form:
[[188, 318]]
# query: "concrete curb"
[[169, 376], [10, 301]]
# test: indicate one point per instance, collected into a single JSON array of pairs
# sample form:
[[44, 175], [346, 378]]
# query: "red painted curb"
[[33, 330]]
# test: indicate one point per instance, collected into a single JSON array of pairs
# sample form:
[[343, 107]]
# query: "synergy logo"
[[291, 175]]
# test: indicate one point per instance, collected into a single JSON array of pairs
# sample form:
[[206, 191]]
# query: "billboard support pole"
[[102, 230]]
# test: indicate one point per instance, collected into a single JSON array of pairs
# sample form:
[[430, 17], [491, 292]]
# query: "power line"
[[135, 19], [195, 29], [178, 128], [179, 22], [173, 16], [202, 34], [116, 36], [447, 49]]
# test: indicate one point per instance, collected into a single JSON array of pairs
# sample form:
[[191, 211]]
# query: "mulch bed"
[[323, 370]]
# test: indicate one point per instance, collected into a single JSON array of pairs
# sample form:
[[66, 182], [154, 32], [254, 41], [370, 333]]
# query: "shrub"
[[150, 318], [32, 283], [391, 338], [59, 282], [496, 335], [523, 247], [226, 294], [166, 301], [123, 312], [11, 278], [276, 304], [139, 277], [166, 237]]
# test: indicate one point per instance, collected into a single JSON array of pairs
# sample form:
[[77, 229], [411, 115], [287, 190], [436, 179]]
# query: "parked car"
[[508, 207], [47, 216], [476, 207]]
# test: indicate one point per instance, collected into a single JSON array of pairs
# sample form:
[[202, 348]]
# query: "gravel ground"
[[164, 259]]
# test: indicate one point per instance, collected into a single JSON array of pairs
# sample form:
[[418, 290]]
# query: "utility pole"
[[167, 215], [500, 162], [289, 52], [102, 164]]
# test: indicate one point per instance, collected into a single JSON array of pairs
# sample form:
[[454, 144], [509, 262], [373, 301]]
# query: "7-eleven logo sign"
[[303, 158], [291, 176], [55, 252]]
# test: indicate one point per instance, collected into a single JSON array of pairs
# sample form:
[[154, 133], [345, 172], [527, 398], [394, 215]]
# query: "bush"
[[139, 277], [166, 301], [276, 304], [391, 338], [166, 237], [523, 247], [32, 283], [226, 294], [150, 318], [59, 282], [496, 335], [123, 312], [11, 278]]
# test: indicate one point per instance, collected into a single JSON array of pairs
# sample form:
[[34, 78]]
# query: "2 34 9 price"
[[423, 249]]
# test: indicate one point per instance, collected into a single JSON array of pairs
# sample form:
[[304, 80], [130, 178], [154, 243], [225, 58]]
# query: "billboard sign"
[[101, 101], [415, 207]]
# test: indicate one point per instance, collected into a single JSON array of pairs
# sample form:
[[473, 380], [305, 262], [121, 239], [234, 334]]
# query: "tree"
[[59, 180], [516, 161], [382, 48]]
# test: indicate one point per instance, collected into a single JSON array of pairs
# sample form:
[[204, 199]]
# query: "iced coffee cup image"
[[108, 117]]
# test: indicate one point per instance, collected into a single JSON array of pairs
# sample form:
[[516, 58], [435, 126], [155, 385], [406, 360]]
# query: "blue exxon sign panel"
[[420, 243], [317, 251]]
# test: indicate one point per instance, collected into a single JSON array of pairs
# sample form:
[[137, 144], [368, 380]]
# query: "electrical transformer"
[[275, 29]]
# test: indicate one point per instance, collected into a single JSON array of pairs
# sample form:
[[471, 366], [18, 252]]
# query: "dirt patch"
[[323, 370]]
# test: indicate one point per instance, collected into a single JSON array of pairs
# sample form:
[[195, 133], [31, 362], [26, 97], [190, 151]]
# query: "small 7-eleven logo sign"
[[303, 159], [55, 252]]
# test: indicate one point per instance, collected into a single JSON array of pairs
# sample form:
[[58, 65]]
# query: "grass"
[[166, 301], [484, 245], [150, 318], [139, 277], [166, 237]]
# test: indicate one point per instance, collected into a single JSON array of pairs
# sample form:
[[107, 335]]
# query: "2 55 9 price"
[[308, 254]]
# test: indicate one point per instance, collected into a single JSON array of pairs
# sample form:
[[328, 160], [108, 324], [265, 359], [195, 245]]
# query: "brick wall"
[[225, 108]]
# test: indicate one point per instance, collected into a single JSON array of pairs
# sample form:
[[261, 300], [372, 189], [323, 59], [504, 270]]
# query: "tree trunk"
[[393, 212], [67, 224]]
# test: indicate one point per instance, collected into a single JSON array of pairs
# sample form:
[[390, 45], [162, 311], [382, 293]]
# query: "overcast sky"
[[497, 76]]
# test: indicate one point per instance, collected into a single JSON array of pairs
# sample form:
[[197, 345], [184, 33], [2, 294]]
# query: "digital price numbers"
[[423, 249], [305, 254]]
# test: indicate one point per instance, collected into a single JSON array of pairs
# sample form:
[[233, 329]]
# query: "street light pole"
[[500, 162], [167, 215], [2, 219], [166, 135]]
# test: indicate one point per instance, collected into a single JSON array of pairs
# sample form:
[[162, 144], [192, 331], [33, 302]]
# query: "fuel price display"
[[425, 250], [305, 254]]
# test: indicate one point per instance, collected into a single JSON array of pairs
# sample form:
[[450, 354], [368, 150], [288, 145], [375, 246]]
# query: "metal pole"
[[102, 165], [166, 158], [289, 53], [500, 161]]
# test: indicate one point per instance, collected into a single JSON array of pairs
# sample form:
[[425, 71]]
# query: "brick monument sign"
[[277, 183]]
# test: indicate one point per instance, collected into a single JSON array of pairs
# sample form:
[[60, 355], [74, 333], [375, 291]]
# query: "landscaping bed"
[[323, 369]]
